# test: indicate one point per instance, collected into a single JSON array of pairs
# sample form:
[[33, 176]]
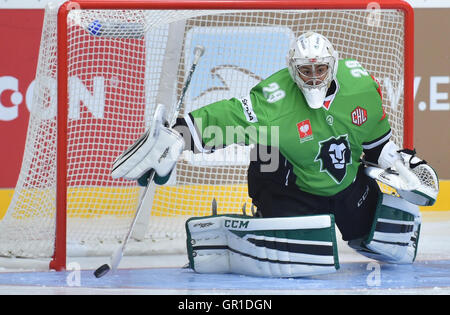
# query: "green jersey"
[[323, 145]]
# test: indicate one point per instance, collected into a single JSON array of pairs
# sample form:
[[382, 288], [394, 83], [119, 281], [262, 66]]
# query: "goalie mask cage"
[[104, 65]]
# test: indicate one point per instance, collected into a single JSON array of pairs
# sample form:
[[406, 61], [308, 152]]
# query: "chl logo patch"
[[334, 155], [359, 116]]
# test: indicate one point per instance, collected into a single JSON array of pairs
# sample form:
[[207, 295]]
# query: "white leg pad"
[[267, 247], [395, 232]]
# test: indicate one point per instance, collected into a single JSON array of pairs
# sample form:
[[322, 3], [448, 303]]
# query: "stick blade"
[[116, 258], [102, 270]]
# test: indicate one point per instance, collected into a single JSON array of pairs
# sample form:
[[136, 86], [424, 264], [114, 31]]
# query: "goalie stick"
[[117, 255]]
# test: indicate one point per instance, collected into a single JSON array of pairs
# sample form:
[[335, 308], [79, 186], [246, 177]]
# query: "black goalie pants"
[[353, 208]]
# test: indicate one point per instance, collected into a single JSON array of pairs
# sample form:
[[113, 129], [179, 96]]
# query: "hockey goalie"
[[333, 147]]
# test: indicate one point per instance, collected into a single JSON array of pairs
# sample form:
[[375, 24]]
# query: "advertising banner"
[[20, 33]]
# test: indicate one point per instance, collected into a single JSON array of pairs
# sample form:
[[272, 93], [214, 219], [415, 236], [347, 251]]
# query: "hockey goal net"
[[103, 66]]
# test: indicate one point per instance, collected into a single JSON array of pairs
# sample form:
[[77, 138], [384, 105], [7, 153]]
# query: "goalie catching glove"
[[159, 149], [413, 179]]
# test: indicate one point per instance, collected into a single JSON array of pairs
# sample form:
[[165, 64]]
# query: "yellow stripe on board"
[[443, 198], [5, 199], [192, 200]]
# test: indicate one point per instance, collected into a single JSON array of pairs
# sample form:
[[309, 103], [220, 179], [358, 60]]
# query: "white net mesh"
[[121, 63]]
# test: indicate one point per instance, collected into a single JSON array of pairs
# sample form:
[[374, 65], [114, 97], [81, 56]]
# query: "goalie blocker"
[[269, 247]]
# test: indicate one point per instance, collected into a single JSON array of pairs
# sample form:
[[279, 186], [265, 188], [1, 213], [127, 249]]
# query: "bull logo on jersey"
[[334, 155]]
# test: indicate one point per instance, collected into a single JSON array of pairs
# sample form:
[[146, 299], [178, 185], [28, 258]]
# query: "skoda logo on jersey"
[[249, 113], [334, 155]]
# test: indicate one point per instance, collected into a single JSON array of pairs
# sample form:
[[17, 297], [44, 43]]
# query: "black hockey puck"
[[101, 271]]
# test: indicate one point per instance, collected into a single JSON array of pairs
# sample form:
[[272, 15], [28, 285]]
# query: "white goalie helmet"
[[312, 63]]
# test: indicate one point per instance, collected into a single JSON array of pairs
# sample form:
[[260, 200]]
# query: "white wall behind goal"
[[23, 4]]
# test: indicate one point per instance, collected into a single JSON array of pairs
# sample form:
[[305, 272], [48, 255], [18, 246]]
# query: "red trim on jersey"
[[378, 88], [384, 114], [381, 95]]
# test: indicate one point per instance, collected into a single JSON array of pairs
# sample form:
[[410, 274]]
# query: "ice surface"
[[163, 274]]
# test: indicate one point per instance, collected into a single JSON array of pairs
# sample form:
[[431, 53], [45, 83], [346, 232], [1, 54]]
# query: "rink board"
[[202, 203], [422, 277]]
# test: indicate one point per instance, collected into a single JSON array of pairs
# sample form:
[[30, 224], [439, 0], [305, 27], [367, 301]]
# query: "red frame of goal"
[[59, 258]]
